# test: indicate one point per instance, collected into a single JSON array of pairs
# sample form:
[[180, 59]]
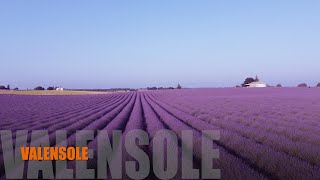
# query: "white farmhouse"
[[59, 88], [256, 84]]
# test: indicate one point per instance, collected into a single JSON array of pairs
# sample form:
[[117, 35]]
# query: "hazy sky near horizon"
[[105, 44]]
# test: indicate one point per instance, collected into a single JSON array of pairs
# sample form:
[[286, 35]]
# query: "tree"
[[179, 87], [8, 87], [318, 85], [3, 87], [50, 88], [303, 85], [152, 88], [39, 88], [279, 85], [256, 79], [248, 81], [16, 89]]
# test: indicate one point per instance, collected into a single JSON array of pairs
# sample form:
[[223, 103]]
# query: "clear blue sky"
[[105, 44]]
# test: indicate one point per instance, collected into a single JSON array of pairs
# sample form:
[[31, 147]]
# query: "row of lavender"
[[275, 129], [256, 143]]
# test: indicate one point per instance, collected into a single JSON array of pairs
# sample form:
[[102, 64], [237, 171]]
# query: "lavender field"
[[267, 133]]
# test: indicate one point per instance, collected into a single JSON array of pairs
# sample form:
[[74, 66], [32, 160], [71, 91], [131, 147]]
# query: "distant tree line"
[[4, 87], [7, 87], [306, 85], [36, 88], [105, 90], [164, 88], [251, 80], [40, 88], [159, 88], [303, 85]]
